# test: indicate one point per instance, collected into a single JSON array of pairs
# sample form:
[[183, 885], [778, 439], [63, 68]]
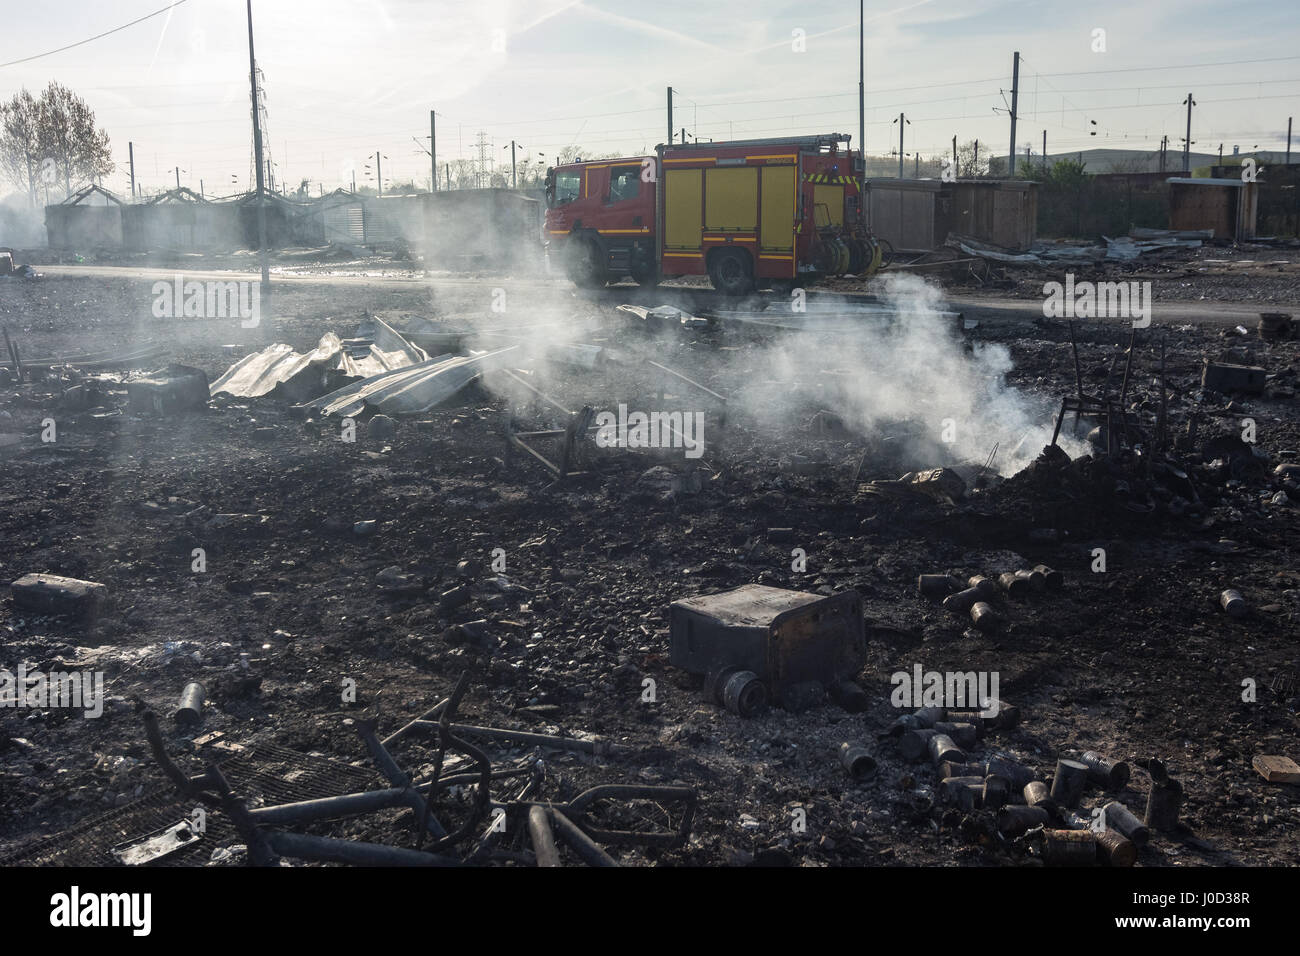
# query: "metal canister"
[[1162, 805], [1037, 795], [1068, 783], [1055, 579], [941, 748], [963, 601], [996, 793], [965, 735], [936, 585], [973, 717], [1037, 578], [985, 617], [914, 743], [954, 768], [985, 586], [1006, 716], [929, 716], [1114, 848], [1232, 602], [1004, 766], [1110, 774], [744, 694], [953, 789], [1014, 821], [1069, 848], [190, 709], [1014, 584], [1119, 818], [857, 761]]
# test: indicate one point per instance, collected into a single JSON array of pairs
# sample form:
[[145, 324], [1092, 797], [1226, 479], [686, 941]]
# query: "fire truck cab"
[[748, 214]]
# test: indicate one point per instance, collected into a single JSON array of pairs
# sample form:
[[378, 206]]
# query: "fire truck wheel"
[[644, 273], [584, 266], [730, 273]]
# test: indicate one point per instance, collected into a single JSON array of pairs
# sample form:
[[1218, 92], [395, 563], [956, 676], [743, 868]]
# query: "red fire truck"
[[747, 213]]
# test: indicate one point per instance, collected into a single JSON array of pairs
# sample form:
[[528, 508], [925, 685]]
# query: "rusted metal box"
[[785, 637]]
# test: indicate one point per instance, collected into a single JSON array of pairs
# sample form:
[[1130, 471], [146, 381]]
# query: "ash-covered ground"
[[1137, 661]]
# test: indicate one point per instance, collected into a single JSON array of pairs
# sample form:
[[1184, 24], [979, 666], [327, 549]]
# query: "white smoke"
[[912, 368]]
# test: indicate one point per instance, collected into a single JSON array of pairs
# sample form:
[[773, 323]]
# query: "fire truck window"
[[568, 186], [624, 183]]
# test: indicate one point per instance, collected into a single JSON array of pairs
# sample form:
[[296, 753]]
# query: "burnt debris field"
[[496, 544]]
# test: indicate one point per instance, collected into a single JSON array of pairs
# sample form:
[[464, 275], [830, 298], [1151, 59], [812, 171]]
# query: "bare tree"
[[20, 142], [51, 138]]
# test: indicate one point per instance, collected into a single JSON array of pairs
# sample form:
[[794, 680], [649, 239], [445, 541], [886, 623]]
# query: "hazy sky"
[[345, 78]]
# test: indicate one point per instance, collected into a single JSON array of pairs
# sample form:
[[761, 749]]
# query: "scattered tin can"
[[1015, 583], [1004, 766], [1037, 579], [1069, 848], [1119, 818], [986, 586], [1055, 579], [955, 768], [1115, 849], [1162, 805], [1110, 774], [929, 716], [1068, 783], [1073, 820], [964, 735], [936, 585], [744, 694], [975, 718], [941, 748], [952, 789], [190, 710], [1233, 603], [914, 744], [1005, 716], [985, 617], [1037, 795], [1016, 821], [997, 792], [857, 761], [963, 601]]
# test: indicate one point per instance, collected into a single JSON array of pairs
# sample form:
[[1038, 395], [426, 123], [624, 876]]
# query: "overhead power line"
[[99, 36]]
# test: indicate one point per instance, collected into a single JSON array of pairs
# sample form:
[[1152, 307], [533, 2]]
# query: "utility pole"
[[178, 177], [1044, 149], [1220, 154], [955, 171], [670, 115], [1288, 141], [446, 167], [257, 164], [916, 169], [683, 135], [1164, 147], [201, 189], [354, 182], [862, 85], [514, 181], [901, 121], [130, 152], [433, 152], [379, 173], [1187, 145], [977, 158], [1015, 103]]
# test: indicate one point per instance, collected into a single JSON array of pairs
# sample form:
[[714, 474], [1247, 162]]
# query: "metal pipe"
[[396, 775], [324, 808], [542, 837], [356, 853], [579, 842]]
